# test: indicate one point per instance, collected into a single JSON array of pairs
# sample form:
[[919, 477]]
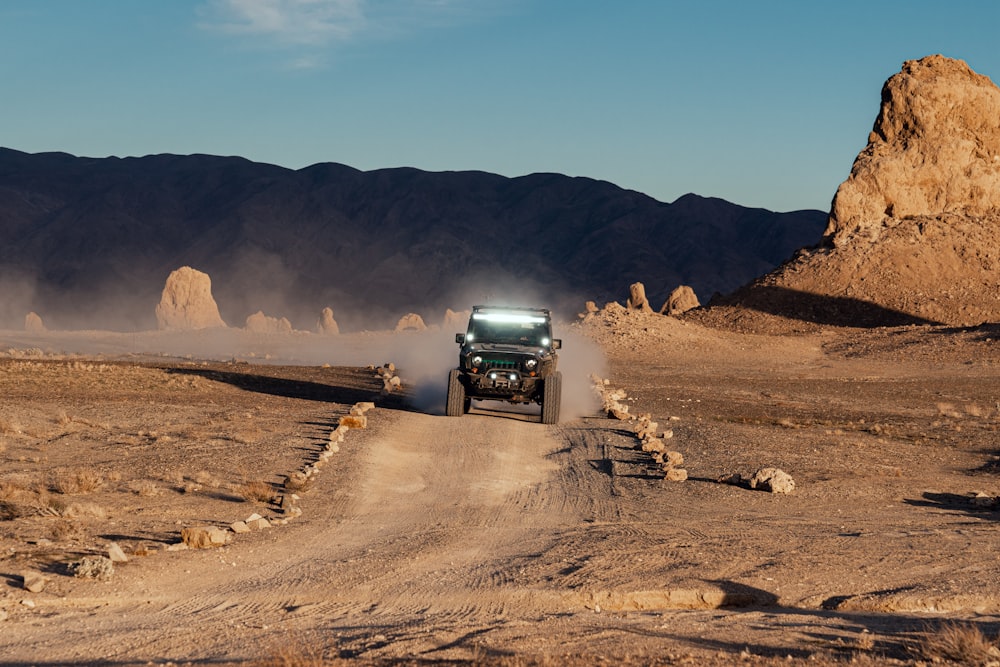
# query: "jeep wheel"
[[551, 398], [457, 404]]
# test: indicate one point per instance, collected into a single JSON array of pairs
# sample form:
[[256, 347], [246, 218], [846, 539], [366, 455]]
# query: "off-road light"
[[509, 317], [493, 376], [513, 377], [545, 341]]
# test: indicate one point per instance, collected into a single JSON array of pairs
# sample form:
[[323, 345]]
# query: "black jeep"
[[507, 354]]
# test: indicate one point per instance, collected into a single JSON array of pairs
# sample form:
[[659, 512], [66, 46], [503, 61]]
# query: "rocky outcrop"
[[410, 322], [326, 324], [187, 302], [681, 300], [261, 323], [33, 323], [934, 150], [637, 298], [914, 232]]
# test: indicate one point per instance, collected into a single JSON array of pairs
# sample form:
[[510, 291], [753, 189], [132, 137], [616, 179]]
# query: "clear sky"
[[761, 103]]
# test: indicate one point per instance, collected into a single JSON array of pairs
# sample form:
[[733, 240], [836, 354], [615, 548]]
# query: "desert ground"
[[490, 538]]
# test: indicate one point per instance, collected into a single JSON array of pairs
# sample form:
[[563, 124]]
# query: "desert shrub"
[[257, 491], [76, 482], [22, 489], [957, 642], [84, 510], [65, 530]]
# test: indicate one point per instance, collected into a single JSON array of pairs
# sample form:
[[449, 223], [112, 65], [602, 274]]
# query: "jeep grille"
[[499, 363]]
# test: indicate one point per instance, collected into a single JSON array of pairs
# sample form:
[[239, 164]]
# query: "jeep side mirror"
[[557, 344], [460, 339]]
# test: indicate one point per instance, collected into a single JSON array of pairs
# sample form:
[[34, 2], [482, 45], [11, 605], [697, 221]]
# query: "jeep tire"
[[551, 398], [457, 404]]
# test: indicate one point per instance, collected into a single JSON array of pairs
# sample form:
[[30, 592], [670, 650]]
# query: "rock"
[[410, 322], [774, 480], [681, 300], [673, 458], [675, 475], [204, 537], [298, 481], [637, 298], [653, 445], [326, 324], [3, 615], [913, 233], [935, 148], [260, 523], [261, 323], [187, 303], [33, 582], [33, 323], [92, 567], [354, 421], [619, 412], [364, 406], [115, 554], [646, 429], [981, 499], [239, 527]]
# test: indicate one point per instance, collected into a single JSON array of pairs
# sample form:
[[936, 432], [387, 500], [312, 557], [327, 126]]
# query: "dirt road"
[[436, 538]]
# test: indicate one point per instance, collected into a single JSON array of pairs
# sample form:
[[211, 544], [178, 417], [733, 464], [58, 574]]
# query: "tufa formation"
[[913, 235], [187, 302], [326, 324]]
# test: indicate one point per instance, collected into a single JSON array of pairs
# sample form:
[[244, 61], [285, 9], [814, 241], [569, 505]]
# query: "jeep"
[[507, 354]]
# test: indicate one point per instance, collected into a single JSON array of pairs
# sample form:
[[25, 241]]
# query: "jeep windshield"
[[509, 329]]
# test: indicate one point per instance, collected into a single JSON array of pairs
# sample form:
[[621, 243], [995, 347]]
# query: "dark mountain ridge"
[[88, 242]]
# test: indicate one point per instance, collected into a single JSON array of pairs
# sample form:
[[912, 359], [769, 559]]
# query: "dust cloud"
[[423, 358]]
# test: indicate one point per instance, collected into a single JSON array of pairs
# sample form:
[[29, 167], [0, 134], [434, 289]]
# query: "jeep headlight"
[[477, 360], [530, 364]]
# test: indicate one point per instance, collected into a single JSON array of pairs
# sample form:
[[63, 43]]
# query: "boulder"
[[681, 300], [774, 480], [187, 303], [326, 324]]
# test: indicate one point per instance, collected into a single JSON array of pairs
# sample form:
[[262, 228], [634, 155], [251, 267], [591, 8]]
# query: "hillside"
[[89, 242], [914, 232]]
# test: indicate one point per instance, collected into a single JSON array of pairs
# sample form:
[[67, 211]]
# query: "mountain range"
[[89, 242]]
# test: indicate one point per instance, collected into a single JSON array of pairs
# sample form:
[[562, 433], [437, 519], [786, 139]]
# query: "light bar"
[[509, 317]]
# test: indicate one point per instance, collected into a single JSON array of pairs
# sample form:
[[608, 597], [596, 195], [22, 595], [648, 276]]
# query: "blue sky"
[[761, 103]]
